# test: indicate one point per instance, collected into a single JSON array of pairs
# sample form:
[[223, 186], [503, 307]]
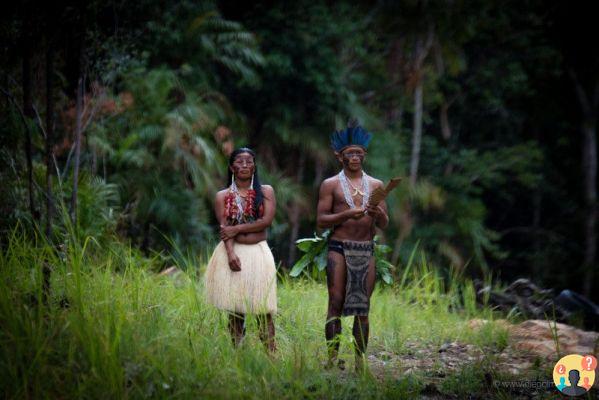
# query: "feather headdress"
[[351, 136]]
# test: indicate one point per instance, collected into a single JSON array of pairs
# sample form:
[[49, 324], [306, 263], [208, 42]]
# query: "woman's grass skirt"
[[253, 290]]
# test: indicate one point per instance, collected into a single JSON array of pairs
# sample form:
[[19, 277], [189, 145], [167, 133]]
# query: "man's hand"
[[228, 232], [234, 262], [379, 215], [355, 213], [374, 211]]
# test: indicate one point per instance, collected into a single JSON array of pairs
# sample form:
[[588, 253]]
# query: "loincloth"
[[357, 258]]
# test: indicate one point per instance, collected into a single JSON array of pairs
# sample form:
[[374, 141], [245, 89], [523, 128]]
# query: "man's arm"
[[379, 212], [258, 225], [219, 210], [324, 217], [382, 219]]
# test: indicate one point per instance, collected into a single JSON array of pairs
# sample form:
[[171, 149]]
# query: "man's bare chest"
[[339, 201]]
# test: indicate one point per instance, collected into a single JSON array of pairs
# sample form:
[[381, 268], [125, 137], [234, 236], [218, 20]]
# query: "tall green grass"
[[113, 328]]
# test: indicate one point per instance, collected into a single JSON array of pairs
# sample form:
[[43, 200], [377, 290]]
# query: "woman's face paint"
[[243, 167]]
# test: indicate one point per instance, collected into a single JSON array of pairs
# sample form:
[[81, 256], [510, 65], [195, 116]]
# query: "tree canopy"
[[488, 109]]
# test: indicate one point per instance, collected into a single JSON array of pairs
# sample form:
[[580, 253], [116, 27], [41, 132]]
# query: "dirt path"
[[520, 370]]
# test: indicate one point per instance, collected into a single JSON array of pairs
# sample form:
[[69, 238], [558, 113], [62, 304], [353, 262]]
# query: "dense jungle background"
[[125, 114], [117, 119]]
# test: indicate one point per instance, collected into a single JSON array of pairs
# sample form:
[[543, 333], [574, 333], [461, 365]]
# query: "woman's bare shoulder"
[[221, 193], [267, 189]]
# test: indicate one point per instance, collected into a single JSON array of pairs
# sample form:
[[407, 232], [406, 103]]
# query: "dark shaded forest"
[[117, 119]]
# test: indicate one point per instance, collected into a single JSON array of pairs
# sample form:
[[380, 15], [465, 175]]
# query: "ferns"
[[97, 207], [161, 153]]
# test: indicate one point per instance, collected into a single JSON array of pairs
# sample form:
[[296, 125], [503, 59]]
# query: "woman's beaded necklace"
[[238, 201], [349, 198], [238, 211]]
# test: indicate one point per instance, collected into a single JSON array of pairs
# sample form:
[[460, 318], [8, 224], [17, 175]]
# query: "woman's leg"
[[236, 327], [266, 327]]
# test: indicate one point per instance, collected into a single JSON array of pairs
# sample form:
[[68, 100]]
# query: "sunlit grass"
[[113, 328]]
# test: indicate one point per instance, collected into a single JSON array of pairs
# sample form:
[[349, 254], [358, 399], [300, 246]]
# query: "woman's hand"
[[234, 262], [228, 232]]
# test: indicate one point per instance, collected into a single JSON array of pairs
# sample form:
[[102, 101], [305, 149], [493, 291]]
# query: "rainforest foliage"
[[120, 116]]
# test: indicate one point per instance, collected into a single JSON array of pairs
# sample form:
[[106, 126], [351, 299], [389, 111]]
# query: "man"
[[343, 206]]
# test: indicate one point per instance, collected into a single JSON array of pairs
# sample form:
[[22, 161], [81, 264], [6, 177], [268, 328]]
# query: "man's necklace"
[[346, 183], [356, 190]]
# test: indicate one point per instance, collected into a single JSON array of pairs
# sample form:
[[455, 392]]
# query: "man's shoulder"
[[377, 182], [330, 182]]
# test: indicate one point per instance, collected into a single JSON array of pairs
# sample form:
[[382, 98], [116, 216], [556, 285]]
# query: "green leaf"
[[384, 264], [383, 248], [300, 265], [387, 278], [321, 260], [306, 244], [310, 240], [383, 268], [316, 254]]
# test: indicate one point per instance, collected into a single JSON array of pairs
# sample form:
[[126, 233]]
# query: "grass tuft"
[[113, 328]]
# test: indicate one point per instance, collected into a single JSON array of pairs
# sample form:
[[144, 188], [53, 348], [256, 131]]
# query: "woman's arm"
[[269, 202], [219, 210]]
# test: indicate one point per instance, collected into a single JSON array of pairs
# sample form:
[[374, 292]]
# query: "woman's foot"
[[330, 364]]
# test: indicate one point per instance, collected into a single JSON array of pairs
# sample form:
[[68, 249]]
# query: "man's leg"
[[266, 327], [360, 331], [236, 327], [336, 277], [361, 326]]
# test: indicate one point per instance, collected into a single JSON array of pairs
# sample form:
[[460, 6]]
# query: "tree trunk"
[[145, 243], [77, 155], [536, 240], [29, 113], [444, 120], [94, 162], [319, 168], [79, 98], [444, 108], [589, 131], [589, 105], [394, 66], [294, 215], [417, 132], [49, 136]]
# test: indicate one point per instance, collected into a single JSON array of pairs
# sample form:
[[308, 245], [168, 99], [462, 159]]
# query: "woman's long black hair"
[[257, 186]]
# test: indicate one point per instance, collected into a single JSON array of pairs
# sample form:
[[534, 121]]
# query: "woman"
[[241, 274]]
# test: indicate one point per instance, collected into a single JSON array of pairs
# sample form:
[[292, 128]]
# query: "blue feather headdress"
[[351, 136]]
